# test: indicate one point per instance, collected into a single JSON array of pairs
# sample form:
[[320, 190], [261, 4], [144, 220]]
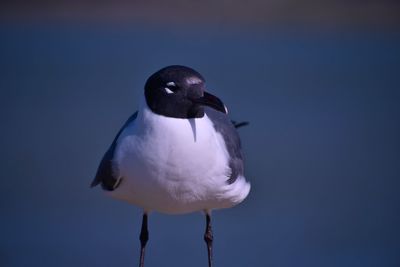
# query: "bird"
[[178, 153]]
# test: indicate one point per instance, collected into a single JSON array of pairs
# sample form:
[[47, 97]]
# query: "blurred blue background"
[[319, 84]]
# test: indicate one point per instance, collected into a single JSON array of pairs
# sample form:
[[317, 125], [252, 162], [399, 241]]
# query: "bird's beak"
[[211, 101]]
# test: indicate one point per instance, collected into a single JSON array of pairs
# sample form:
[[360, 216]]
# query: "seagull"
[[179, 153]]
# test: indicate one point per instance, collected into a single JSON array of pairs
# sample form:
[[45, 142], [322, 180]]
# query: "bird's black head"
[[179, 92]]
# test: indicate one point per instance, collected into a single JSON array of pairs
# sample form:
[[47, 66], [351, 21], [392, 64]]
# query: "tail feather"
[[240, 124]]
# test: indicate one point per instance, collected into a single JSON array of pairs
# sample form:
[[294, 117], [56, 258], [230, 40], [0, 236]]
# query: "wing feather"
[[105, 175], [226, 128]]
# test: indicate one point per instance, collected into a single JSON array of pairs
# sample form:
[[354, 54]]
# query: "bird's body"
[[174, 165], [178, 153]]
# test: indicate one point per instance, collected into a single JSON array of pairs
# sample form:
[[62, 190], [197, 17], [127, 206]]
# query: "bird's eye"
[[170, 88]]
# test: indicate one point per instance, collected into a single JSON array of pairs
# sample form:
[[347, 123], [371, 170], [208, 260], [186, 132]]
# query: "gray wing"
[[104, 175], [227, 129]]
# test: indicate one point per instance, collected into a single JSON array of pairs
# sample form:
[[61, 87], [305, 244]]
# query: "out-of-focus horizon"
[[328, 13]]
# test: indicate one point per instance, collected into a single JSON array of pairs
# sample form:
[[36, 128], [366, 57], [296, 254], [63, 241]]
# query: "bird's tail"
[[240, 124]]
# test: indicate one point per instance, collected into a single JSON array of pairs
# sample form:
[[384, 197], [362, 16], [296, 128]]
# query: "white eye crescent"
[[169, 91], [171, 84]]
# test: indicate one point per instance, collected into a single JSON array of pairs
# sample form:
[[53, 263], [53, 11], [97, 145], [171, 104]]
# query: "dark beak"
[[211, 101]]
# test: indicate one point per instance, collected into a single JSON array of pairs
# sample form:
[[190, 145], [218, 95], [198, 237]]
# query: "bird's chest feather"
[[160, 149]]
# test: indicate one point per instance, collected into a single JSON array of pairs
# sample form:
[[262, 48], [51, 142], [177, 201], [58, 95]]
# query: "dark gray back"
[[225, 127], [104, 175]]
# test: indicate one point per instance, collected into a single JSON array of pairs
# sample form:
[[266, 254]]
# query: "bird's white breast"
[[174, 165]]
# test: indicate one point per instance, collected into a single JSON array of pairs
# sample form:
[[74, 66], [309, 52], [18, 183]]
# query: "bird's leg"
[[144, 237], [208, 237]]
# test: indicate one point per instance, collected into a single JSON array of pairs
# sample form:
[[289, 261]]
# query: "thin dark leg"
[[144, 237], [208, 237]]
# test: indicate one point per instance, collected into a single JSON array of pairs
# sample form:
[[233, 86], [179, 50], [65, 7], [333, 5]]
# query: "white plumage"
[[174, 165]]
